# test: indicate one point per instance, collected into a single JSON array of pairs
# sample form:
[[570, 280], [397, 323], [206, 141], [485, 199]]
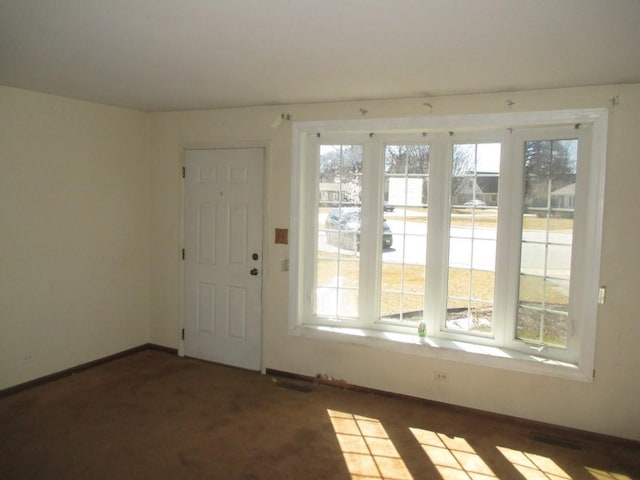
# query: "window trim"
[[441, 347]]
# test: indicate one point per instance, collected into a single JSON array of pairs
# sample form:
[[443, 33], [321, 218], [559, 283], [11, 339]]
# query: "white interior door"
[[223, 256]]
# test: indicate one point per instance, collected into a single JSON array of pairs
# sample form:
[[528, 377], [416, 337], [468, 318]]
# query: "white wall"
[[607, 405], [74, 233]]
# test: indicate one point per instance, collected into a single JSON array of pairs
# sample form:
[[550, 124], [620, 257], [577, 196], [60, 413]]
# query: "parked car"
[[475, 203], [343, 228]]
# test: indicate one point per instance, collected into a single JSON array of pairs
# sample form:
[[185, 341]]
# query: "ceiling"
[[157, 55]]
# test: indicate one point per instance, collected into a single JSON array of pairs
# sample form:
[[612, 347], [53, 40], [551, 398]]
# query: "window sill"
[[450, 350]]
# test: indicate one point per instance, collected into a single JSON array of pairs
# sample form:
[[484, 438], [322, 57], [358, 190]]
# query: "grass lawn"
[[403, 285]]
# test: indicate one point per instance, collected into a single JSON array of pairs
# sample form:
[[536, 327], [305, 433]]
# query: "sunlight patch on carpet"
[[604, 475], [532, 466], [453, 457], [367, 449]]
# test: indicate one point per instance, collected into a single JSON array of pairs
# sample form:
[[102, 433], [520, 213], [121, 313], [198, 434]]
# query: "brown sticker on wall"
[[282, 235]]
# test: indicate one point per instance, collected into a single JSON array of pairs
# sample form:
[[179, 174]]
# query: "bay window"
[[482, 230]]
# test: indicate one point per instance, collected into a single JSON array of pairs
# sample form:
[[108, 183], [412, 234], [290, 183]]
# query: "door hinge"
[[184, 172], [183, 254], [183, 334]]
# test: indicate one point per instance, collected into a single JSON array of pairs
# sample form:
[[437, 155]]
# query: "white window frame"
[[510, 354], [439, 242]]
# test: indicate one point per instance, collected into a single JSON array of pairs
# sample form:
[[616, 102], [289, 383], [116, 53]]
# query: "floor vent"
[[554, 440]]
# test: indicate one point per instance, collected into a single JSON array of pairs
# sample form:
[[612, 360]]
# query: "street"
[[410, 247]]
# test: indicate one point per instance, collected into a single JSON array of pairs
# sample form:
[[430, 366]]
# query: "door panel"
[[206, 234], [222, 232]]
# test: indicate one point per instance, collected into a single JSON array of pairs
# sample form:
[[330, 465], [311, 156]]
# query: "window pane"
[[390, 305], [531, 291], [327, 270], [529, 324], [542, 326], [338, 242], [406, 191], [472, 236], [532, 257], [459, 283], [547, 237], [559, 260], [347, 303], [555, 329], [557, 295], [482, 285]]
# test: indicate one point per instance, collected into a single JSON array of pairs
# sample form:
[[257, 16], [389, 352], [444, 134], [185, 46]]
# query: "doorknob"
[[254, 271], [255, 256]]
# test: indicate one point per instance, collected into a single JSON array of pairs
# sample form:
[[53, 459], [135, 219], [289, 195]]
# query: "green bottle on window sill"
[[422, 329]]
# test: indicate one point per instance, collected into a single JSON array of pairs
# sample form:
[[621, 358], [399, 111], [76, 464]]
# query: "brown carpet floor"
[[153, 415]]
